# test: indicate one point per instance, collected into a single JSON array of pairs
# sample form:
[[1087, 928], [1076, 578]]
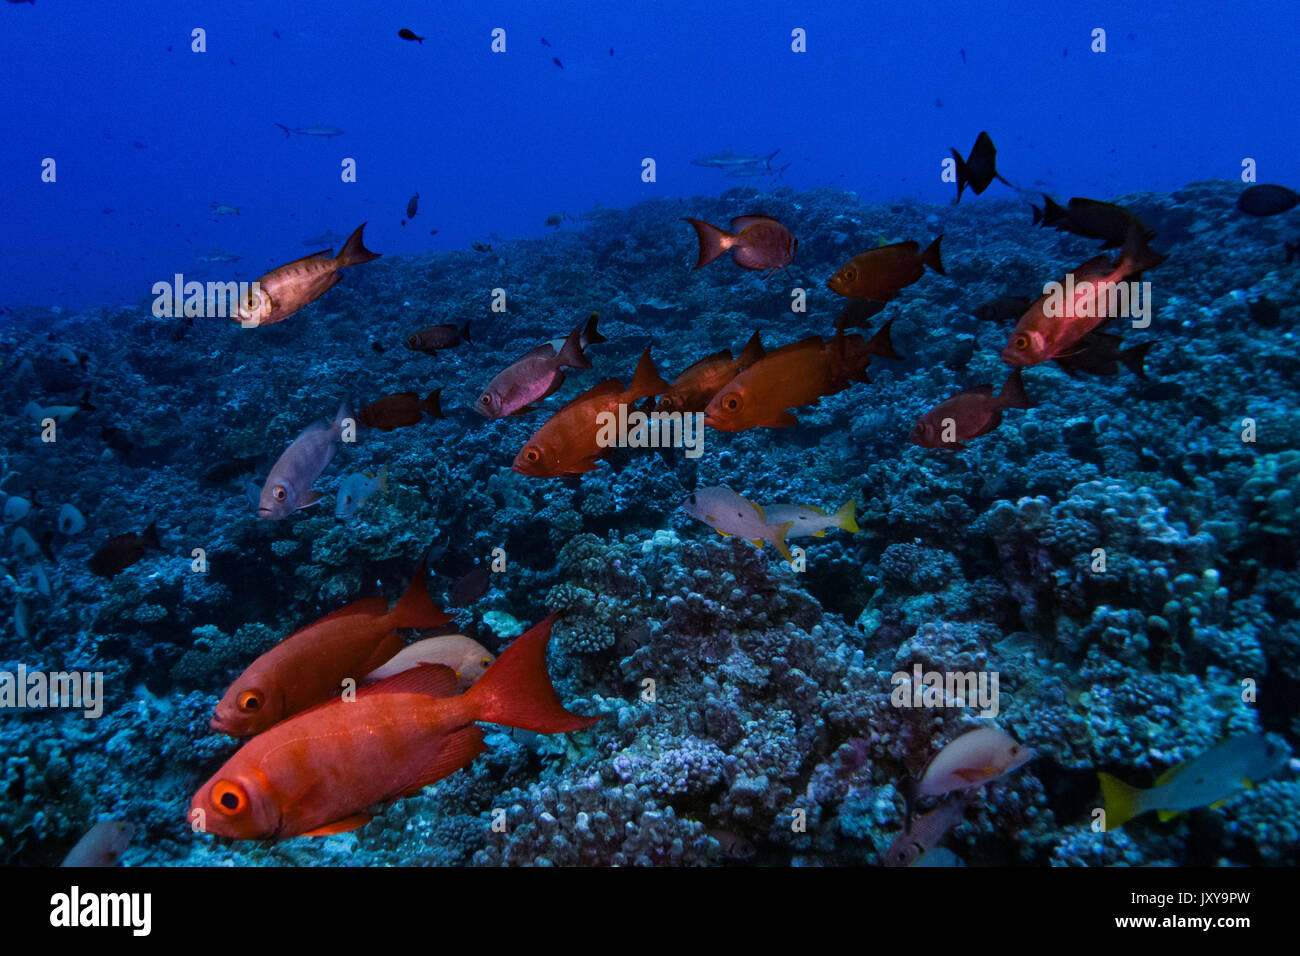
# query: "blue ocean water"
[[1121, 553]]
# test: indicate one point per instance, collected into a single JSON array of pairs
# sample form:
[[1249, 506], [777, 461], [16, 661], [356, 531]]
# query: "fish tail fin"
[[1053, 212], [286, 131], [1013, 392], [516, 689], [646, 380], [150, 536], [1137, 255], [752, 352], [1123, 802], [416, 608], [344, 414], [464, 334], [84, 403], [1135, 358], [847, 516], [780, 173], [433, 404], [767, 160], [589, 330], [931, 256], [881, 344], [570, 355], [778, 539], [1038, 215], [354, 251], [961, 172], [713, 241]]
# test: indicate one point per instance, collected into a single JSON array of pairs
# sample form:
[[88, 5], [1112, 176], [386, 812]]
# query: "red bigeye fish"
[[968, 414], [1060, 318], [285, 290], [756, 242], [317, 772], [568, 443], [538, 374], [692, 390], [308, 667], [289, 485], [926, 831], [880, 274]]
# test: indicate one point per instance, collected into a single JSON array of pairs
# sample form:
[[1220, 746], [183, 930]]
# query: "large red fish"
[[308, 667], [691, 390], [316, 773], [567, 443], [1057, 321], [288, 288]]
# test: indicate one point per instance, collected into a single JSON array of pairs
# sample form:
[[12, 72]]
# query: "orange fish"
[[1058, 320], [308, 667], [881, 273], [756, 242], [567, 443], [316, 773], [691, 390], [290, 287]]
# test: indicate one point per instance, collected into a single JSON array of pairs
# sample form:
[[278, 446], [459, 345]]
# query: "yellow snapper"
[[729, 513], [285, 290], [811, 521]]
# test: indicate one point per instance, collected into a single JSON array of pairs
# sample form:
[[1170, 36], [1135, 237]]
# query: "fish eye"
[[229, 797], [250, 701], [732, 402], [485, 399], [278, 493], [1021, 341], [1015, 749], [484, 661], [532, 455], [850, 274]]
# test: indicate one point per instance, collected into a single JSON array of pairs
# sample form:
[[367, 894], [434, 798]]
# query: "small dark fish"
[[733, 847], [611, 51], [963, 54], [545, 42], [276, 34], [47, 545], [118, 440], [556, 61], [377, 347], [228, 470], [471, 585], [230, 60], [406, 34], [980, 169], [1091, 219], [1264, 312], [412, 206], [759, 243], [1003, 308], [400, 410], [1267, 199], [479, 246], [1100, 353], [857, 314], [117, 554], [433, 232], [438, 337], [1292, 251], [969, 414]]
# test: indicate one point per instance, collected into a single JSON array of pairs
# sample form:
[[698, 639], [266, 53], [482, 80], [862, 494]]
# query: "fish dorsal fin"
[[1166, 815], [325, 254], [820, 511], [759, 508], [723, 356], [742, 222], [1171, 773], [366, 607], [978, 390], [432, 680]]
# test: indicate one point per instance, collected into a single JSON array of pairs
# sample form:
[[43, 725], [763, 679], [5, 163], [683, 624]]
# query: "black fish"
[[980, 168], [1292, 251], [118, 440], [856, 314], [545, 42], [438, 337], [1267, 199], [556, 61], [117, 554], [406, 34], [471, 585], [1091, 219], [1003, 308], [1264, 312], [228, 470], [1099, 353], [412, 205]]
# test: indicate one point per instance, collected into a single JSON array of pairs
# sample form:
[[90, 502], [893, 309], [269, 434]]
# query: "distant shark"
[[311, 130], [729, 160]]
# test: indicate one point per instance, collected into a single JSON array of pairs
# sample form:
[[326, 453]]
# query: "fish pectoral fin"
[[313, 498], [973, 774], [725, 534], [458, 750], [756, 542], [1166, 815], [354, 822]]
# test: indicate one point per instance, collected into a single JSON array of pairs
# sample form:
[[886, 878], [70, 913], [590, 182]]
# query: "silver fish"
[[356, 491], [729, 160], [289, 485]]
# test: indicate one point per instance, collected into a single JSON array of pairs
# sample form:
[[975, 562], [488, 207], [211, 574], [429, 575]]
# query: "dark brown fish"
[[412, 206], [980, 169], [406, 34], [856, 314], [471, 585], [117, 554], [438, 337], [1100, 353], [118, 440], [851, 354], [881, 273], [1091, 219], [733, 846], [698, 383], [556, 61], [1003, 309], [969, 414], [756, 242], [1292, 250], [400, 410], [1267, 199]]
